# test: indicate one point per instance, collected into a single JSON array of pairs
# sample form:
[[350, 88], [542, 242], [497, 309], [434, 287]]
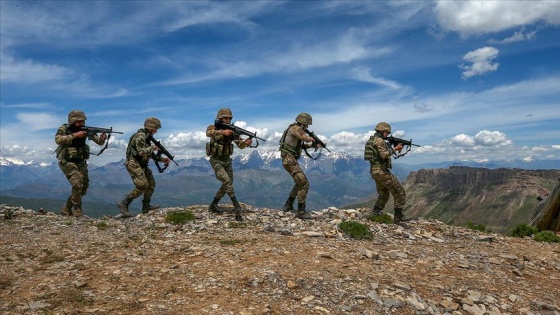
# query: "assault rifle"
[[92, 131], [315, 144], [220, 125], [161, 150], [406, 143]]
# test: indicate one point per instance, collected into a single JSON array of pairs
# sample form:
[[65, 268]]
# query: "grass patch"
[[102, 225], [478, 227], [522, 230], [384, 218], [356, 230], [547, 236], [179, 217]]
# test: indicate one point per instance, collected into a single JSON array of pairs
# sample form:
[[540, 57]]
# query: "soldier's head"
[[76, 116], [225, 115], [383, 128], [304, 119], [152, 124]]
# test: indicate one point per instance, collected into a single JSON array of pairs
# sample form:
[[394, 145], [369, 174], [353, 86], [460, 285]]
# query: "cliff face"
[[499, 198]]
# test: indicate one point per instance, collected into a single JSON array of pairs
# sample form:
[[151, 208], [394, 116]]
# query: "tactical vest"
[[132, 150], [291, 148], [77, 151], [371, 154], [219, 147]]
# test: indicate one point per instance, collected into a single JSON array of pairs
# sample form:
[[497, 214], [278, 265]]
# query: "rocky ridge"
[[272, 263]]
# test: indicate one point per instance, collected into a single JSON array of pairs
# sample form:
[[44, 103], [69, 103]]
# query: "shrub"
[[179, 217], [547, 236], [102, 225], [384, 218], [522, 230], [356, 230], [477, 227]]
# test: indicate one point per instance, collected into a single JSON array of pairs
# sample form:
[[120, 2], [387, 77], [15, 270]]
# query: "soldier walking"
[[378, 152], [220, 150], [291, 144], [138, 155], [72, 154]]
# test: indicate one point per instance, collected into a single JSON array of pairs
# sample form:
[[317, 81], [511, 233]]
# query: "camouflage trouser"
[[77, 175], [301, 186], [224, 173], [388, 184], [142, 178]]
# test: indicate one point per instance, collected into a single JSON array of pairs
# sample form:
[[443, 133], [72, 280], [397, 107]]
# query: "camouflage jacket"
[[220, 146], [141, 150], [378, 152], [72, 149], [292, 141]]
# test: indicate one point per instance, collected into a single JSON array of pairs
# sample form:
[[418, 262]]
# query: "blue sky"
[[468, 80]]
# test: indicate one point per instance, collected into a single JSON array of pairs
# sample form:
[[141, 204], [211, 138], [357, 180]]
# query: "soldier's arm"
[[144, 149], [212, 132], [382, 148], [298, 132], [97, 139], [61, 138]]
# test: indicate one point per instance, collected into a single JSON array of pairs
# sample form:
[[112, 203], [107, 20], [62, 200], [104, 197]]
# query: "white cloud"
[[37, 121], [463, 140], [518, 36], [25, 71], [363, 74], [491, 138], [481, 60], [478, 17]]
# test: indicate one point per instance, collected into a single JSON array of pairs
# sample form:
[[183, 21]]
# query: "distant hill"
[[499, 198]]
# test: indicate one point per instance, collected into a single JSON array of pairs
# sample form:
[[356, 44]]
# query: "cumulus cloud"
[[482, 62], [491, 138], [479, 17]]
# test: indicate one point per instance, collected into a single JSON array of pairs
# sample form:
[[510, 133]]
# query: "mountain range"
[[337, 179]]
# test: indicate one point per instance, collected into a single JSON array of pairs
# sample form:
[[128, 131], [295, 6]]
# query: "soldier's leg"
[[67, 208], [140, 181], [223, 176], [382, 191], [146, 206], [399, 195], [75, 178], [228, 166]]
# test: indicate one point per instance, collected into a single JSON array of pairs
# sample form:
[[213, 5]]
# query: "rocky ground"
[[271, 263]]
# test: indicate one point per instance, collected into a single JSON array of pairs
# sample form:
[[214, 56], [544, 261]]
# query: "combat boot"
[[67, 209], [399, 216], [376, 211], [301, 213], [147, 207], [289, 205], [236, 209], [213, 207], [123, 206], [78, 211]]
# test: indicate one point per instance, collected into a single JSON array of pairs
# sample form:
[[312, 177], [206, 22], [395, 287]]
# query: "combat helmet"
[[152, 123], [383, 126], [76, 115], [223, 113], [304, 119]]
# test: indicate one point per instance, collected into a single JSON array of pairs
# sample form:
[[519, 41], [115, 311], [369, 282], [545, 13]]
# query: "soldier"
[[378, 152], [291, 144], [220, 149], [72, 154], [138, 155]]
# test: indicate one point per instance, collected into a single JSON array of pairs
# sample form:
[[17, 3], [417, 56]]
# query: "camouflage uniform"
[[291, 145], [138, 155], [378, 153], [220, 149], [72, 154]]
